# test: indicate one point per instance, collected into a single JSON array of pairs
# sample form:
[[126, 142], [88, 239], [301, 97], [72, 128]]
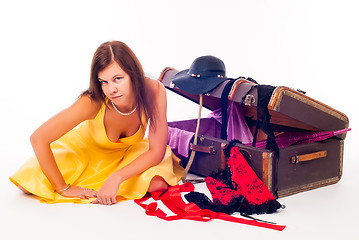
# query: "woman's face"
[[116, 85]]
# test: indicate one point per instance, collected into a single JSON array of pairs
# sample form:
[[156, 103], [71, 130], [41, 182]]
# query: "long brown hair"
[[119, 52]]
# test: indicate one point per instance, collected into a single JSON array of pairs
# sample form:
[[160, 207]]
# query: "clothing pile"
[[234, 189]]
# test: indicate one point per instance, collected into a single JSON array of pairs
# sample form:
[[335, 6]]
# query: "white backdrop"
[[46, 50]]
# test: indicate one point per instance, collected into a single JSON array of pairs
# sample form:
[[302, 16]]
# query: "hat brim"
[[195, 85]]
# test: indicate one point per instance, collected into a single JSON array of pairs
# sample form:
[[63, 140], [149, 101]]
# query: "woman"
[[107, 156]]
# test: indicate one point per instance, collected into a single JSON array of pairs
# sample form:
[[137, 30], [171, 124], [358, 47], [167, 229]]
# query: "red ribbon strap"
[[174, 202]]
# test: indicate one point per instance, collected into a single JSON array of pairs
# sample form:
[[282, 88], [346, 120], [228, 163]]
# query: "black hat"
[[205, 73]]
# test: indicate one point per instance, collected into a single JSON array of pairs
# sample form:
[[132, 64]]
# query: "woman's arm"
[[84, 108], [157, 137]]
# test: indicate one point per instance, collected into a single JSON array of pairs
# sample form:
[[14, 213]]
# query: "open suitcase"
[[300, 167]]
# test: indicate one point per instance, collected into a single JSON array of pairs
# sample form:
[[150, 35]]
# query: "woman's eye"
[[118, 78], [103, 82]]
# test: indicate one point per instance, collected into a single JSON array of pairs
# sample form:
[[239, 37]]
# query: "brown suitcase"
[[299, 167]]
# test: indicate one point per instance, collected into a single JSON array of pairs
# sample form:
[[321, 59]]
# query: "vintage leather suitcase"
[[299, 167]]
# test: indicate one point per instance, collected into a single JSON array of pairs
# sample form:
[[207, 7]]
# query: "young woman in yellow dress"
[[95, 150]]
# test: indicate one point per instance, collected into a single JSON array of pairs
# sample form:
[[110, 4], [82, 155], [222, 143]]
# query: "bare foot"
[[24, 190], [157, 184]]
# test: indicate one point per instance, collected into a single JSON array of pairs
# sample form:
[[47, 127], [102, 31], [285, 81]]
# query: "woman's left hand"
[[107, 193]]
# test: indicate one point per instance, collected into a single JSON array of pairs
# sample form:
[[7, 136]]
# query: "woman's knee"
[[158, 184]]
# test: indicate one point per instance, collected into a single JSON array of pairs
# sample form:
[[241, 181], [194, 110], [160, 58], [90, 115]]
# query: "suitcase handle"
[[308, 157], [204, 149]]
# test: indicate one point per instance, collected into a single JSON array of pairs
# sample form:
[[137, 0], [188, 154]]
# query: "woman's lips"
[[116, 97]]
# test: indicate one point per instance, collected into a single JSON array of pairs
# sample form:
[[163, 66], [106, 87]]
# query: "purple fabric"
[[291, 138], [208, 126], [236, 125], [179, 139], [180, 133]]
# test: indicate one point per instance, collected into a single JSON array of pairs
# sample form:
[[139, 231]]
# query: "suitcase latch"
[[249, 100]]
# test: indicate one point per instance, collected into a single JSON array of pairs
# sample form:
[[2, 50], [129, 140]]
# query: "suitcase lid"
[[287, 107]]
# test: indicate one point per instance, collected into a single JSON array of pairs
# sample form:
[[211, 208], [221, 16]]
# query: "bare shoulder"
[[157, 87], [86, 106]]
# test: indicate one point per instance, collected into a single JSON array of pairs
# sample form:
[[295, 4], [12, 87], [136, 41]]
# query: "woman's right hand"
[[80, 192]]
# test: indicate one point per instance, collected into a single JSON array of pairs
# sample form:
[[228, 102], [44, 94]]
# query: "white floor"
[[326, 213], [46, 51]]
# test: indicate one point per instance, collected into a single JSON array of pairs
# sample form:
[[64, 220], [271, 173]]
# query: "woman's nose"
[[112, 88]]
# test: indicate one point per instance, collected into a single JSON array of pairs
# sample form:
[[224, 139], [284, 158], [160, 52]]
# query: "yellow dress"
[[86, 158]]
